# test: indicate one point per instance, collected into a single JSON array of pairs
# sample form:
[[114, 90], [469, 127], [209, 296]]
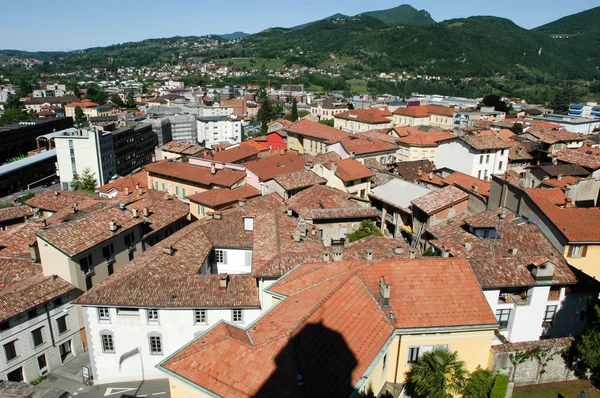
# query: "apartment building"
[[219, 129]]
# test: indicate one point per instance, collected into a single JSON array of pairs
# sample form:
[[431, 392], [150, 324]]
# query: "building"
[[88, 249], [359, 312], [27, 173], [327, 108], [161, 128], [571, 123], [219, 129], [217, 199], [183, 179], [361, 149], [262, 170], [589, 110], [313, 138], [424, 115], [89, 108], [524, 279], [420, 144], [20, 138], [359, 120], [38, 104], [177, 150], [183, 128], [347, 175], [288, 185], [122, 187], [49, 202], [479, 156], [13, 216]]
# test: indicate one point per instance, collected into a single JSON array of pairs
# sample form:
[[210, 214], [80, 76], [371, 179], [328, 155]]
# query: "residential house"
[[478, 190], [552, 140], [525, 280], [537, 175], [333, 213], [327, 108], [288, 185], [217, 199], [586, 157], [49, 202], [238, 153], [177, 150], [424, 115], [306, 136], [182, 179], [365, 148], [13, 216], [421, 144], [262, 170], [278, 125], [89, 108], [122, 187], [337, 304], [89, 248], [216, 129], [479, 156], [347, 175], [359, 120]]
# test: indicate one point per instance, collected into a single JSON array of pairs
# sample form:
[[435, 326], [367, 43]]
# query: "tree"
[[479, 384], [367, 228], [12, 115], [585, 350], [494, 100], [25, 88], [131, 101], [115, 99], [517, 128], [80, 118], [13, 102], [327, 122], [563, 99], [438, 374], [265, 115], [86, 182], [293, 115]]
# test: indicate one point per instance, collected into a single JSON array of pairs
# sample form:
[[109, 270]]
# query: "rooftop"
[[321, 197], [299, 179], [30, 160], [469, 182], [587, 157], [317, 130], [163, 210], [440, 199], [218, 197], [196, 174], [366, 146], [399, 193], [370, 115], [425, 111], [14, 213], [233, 154], [182, 148], [350, 169], [56, 200], [276, 165]]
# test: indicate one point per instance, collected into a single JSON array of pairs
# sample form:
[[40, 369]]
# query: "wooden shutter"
[[583, 250], [570, 251]]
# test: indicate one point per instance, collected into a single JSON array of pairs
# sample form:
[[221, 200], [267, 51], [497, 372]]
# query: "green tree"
[[86, 182], [367, 228], [293, 115], [584, 354], [12, 115], [115, 99], [327, 122], [500, 387], [438, 374], [479, 384], [265, 115], [13, 102], [563, 99], [80, 118], [25, 88], [131, 101], [517, 128]]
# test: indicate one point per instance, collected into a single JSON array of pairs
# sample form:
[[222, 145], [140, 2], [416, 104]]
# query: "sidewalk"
[[68, 377]]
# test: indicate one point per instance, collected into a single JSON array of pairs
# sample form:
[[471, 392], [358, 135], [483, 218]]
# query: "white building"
[[39, 329], [479, 156], [588, 110], [574, 124], [217, 129], [183, 128], [77, 150]]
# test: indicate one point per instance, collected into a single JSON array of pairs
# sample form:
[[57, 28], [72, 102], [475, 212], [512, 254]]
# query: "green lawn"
[[339, 61], [314, 87], [567, 392], [247, 62], [358, 86]]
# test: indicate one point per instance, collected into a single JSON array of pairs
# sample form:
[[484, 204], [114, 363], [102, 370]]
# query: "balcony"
[[553, 295], [514, 298]]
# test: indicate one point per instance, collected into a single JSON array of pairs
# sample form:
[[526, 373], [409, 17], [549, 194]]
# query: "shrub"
[[500, 386]]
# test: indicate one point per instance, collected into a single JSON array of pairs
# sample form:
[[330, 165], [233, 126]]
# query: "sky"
[[37, 25]]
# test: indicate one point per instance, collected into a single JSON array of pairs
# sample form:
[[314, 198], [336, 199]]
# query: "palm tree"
[[438, 374]]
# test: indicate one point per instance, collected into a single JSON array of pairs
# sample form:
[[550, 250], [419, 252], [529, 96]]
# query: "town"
[[267, 238]]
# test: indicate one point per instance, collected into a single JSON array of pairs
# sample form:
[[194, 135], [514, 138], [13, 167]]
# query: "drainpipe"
[[397, 361], [49, 324]]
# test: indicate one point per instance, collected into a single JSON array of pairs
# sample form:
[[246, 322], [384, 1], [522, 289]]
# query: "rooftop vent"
[[218, 216], [338, 253], [145, 212], [223, 281], [369, 253], [468, 246], [113, 226], [168, 250], [513, 251], [398, 250], [385, 289], [135, 213], [56, 193], [326, 256]]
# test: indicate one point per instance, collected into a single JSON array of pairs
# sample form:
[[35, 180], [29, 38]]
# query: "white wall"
[[215, 131], [459, 156], [238, 261], [175, 326]]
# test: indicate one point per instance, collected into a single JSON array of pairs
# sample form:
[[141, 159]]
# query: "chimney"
[[213, 169], [559, 177], [34, 252], [289, 212], [412, 253], [56, 193], [546, 178], [568, 202], [468, 246], [126, 191], [398, 250], [145, 212], [282, 152], [137, 185], [420, 171], [385, 290], [326, 256], [475, 188], [75, 208], [218, 216], [333, 167], [338, 253], [242, 203], [369, 253], [431, 175], [166, 196], [223, 281], [307, 166], [168, 250], [135, 213], [513, 252], [113, 226], [554, 161], [296, 235], [153, 158], [210, 215]]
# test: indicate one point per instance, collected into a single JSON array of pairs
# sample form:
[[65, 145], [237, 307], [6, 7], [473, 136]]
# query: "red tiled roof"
[[483, 142], [350, 169], [576, 224], [163, 210], [318, 130], [182, 147], [321, 197], [426, 138], [25, 295], [15, 212], [585, 156], [322, 157], [196, 174], [299, 179], [233, 155], [385, 135], [563, 182], [518, 152], [365, 146], [218, 197], [530, 346], [551, 136], [273, 166], [56, 200], [440, 199], [87, 231], [131, 181], [425, 111], [82, 104], [469, 182], [370, 115]]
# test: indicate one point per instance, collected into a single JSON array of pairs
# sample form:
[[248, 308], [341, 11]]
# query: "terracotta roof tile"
[[85, 232], [234, 154], [585, 156], [385, 135], [426, 138], [440, 199], [56, 200], [350, 169], [14, 213], [370, 115], [182, 148], [299, 179], [409, 171], [425, 111], [364, 146], [551, 136], [139, 179], [469, 182], [321, 197], [524, 346], [321, 158], [199, 175], [562, 183], [317, 130], [218, 197], [483, 142], [163, 210], [276, 165]]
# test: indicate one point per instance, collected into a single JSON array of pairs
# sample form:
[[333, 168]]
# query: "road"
[[140, 389], [34, 190]]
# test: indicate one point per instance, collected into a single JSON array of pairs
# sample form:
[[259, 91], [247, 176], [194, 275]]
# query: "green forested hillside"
[[587, 22], [402, 15]]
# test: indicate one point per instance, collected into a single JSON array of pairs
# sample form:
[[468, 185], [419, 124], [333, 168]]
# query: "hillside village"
[[257, 240]]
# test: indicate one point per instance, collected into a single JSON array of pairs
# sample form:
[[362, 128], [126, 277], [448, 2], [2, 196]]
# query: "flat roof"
[[19, 164], [399, 192]]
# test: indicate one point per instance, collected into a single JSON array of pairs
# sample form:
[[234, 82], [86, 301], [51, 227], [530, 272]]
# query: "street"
[[141, 389], [35, 190]]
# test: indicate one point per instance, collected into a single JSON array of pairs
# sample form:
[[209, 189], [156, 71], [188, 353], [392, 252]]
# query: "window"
[[42, 363], [108, 343], [176, 190], [503, 317], [500, 165], [15, 375], [86, 264], [487, 159], [550, 313], [152, 315], [103, 314], [155, 345], [10, 350], [200, 316], [108, 252], [128, 311], [38, 336], [221, 256], [61, 324], [129, 239], [183, 193], [577, 251], [65, 350], [558, 145], [201, 210], [485, 175], [481, 160], [163, 186], [156, 185], [237, 316], [413, 354], [502, 152], [415, 154], [131, 256]]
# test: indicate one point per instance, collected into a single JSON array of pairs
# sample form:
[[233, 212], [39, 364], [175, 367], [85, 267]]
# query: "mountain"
[[583, 22], [233, 36], [402, 15], [304, 25]]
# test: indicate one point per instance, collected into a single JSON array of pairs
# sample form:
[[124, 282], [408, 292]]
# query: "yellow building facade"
[[585, 257]]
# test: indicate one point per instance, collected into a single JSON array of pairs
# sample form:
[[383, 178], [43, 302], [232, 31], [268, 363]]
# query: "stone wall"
[[529, 371]]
